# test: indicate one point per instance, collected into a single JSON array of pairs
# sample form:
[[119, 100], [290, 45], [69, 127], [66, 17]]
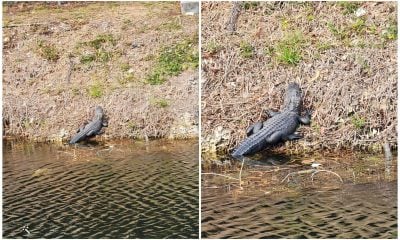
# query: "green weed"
[[251, 5], [127, 78], [288, 50], [390, 33], [86, 59], [162, 103], [100, 40], [173, 60], [349, 7], [358, 121], [338, 32], [246, 50], [96, 90], [47, 51], [98, 52], [212, 47], [359, 25], [125, 67], [170, 26]]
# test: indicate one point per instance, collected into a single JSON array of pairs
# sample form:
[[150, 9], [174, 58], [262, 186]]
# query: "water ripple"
[[121, 191]]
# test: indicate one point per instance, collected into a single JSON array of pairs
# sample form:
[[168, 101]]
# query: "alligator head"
[[98, 113], [293, 98]]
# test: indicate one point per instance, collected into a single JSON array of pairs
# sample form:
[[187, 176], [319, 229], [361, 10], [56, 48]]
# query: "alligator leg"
[[254, 128], [274, 138], [292, 136], [100, 132], [82, 126], [306, 120], [272, 113]]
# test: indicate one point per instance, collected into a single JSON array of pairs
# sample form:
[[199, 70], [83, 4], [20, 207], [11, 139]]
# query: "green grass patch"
[[173, 25], [390, 32], [246, 50], [212, 47], [358, 121], [99, 56], [338, 32], [359, 25], [100, 40], [97, 49], [349, 7], [173, 60], [127, 78], [288, 50], [162, 103], [48, 51], [96, 90], [125, 67], [251, 5], [323, 46]]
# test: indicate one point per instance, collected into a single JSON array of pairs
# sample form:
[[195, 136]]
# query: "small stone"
[[360, 12]]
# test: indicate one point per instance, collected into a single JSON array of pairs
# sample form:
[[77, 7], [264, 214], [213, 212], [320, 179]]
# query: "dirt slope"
[[342, 54], [61, 61]]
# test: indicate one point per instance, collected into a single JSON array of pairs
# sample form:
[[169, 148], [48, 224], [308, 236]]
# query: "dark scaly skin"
[[91, 129], [280, 127]]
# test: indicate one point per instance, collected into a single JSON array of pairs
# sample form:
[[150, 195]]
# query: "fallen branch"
[[318, 171], [222, 175], [298, 172], [240, 174]]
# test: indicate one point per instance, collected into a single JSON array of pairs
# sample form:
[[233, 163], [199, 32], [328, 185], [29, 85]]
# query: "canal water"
[[119, 190], [360, 203]]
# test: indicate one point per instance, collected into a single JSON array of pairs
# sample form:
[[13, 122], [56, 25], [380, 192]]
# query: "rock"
[[360, 12], [41, 172], [184, 127], [218, 140]]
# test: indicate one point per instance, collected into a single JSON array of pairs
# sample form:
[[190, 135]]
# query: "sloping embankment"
[[137, 60], [342, 54]]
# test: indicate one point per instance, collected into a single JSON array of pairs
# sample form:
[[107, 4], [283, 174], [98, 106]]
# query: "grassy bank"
[[61, 61], [343, 55]]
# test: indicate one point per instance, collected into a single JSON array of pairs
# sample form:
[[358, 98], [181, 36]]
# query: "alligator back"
[[89, 130], [92, 128], [273, 131]]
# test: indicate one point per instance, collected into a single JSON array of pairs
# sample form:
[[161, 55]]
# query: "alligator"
[[92, 128], [280, 127]]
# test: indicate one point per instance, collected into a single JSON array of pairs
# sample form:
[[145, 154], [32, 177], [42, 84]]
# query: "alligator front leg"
[[292, 136], [100, 132], [271, 113], [254, 128], [82, 126], [306, 120]]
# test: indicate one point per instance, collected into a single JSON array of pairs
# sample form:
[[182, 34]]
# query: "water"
[[122, 190], [363, 206]]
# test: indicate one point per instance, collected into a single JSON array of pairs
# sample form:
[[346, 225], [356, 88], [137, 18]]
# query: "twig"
[[240, 174], [71, 67], [298, 172], [318, 171], [24, 24], [222, 175], [231, 24]]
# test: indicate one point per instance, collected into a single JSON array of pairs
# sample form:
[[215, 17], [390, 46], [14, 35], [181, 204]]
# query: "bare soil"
[[59, 62], [345, 64]]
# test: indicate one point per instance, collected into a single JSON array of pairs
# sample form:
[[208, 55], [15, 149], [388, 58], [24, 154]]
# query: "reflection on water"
[[123, 190], [364, 206]]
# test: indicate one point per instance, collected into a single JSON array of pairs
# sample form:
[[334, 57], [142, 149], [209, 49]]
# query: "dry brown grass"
[[346, 67], [104, 53]]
